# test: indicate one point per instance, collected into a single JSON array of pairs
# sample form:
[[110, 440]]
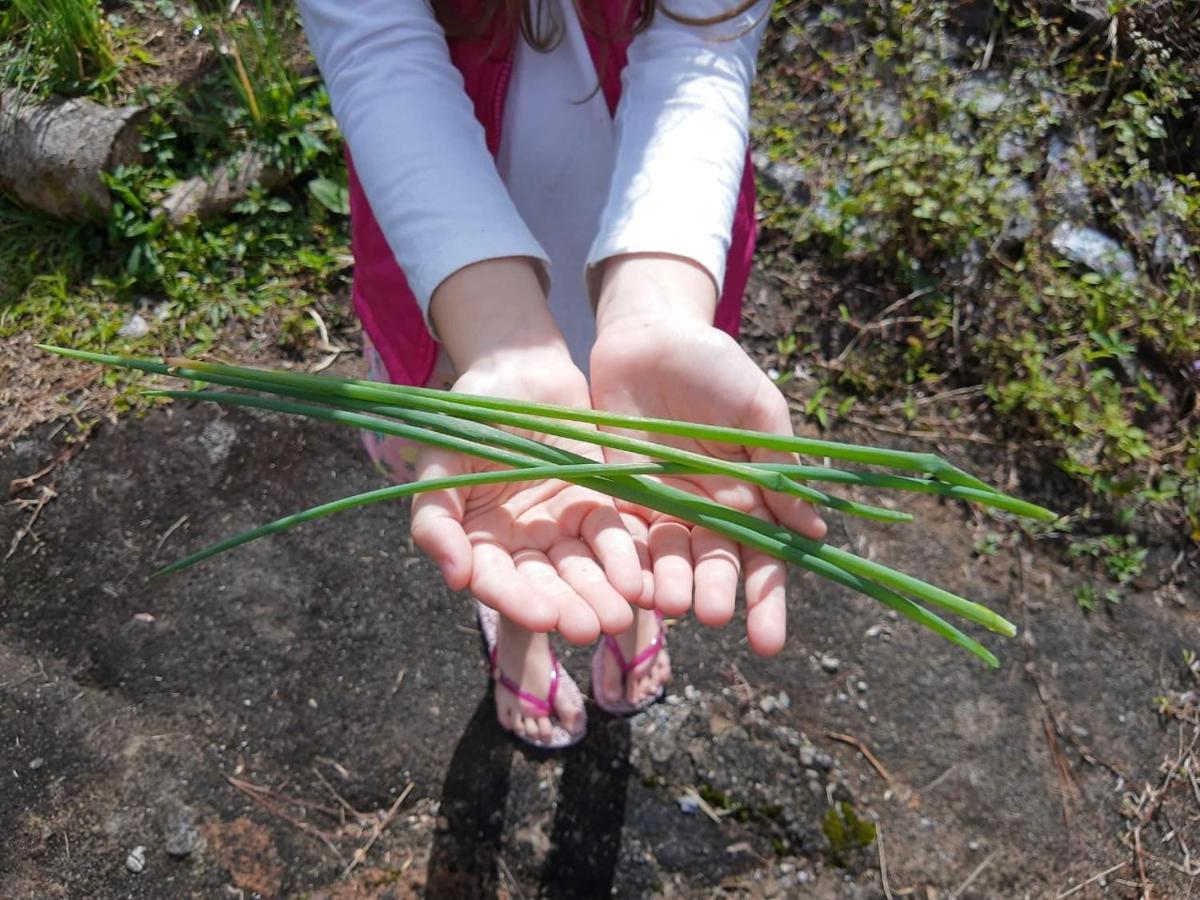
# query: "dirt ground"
[[309, 716]]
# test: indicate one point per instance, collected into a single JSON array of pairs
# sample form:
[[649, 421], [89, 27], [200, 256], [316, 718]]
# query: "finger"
[[437, 521], [497, 583], [716, 578], [574, 563], [603, 531], [766, 602], [640, 532], [671, 550], [575, 619]]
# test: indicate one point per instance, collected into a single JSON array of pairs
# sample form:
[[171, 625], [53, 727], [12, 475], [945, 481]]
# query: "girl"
[[516, 165]]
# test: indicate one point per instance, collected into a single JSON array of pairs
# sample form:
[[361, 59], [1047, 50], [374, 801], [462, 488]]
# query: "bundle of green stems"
[[478, 426]]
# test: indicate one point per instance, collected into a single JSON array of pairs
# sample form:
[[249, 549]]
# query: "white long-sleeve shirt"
[[572, 185]]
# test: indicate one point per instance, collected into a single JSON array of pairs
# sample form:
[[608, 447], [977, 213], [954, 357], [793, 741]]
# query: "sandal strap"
[[538, 706], [627, 666]]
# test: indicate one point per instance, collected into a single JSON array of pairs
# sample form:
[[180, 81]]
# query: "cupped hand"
[[548, 555], [685, 369]]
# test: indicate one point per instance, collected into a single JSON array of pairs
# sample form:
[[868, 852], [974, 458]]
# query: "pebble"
[[691, 693], [688, 804], [862, 705], [802, 877], [674, 700], [830, 663], [843, 697], [808, 755], [37, 763], [768, 704], [136, 860], [135, 327], [824, 761], [183, 840], [784, 701], [861, 687]]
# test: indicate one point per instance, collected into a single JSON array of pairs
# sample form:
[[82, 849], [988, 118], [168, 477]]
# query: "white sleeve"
[[418, 149], [682, 126]]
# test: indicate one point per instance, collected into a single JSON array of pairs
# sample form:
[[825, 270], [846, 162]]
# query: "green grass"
[[57, 46]]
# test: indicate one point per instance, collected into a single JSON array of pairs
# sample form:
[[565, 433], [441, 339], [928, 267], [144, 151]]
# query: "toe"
[[611, 678], [545, 729]]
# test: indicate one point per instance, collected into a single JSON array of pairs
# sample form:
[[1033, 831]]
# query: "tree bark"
[[52, 154], [203, 196]]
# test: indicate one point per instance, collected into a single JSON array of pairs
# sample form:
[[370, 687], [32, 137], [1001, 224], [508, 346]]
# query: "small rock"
[[824, 761], [812, 775], [862, 705], [691, 693], [183, 839], [674, 700], [973, 845], [808, 755], [768, 704], [135, 327], [830, 663], [802, 877], [36, 764], [688, 804], [843, 697], [1093, 249], [788, 179], [136, 860], [783, 700], [860, 686]]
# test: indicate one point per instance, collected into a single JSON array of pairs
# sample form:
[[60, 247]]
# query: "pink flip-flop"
[[608, 644], [532, 704]]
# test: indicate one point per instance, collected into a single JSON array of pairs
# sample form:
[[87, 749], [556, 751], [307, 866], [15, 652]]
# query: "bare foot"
[[524, 657], [646, 680]]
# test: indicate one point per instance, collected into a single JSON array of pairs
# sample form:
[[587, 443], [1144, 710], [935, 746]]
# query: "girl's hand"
[[658, 355], [548, 555]]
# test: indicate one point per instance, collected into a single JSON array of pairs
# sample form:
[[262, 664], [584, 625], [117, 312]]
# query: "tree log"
[[205, 196], [52, 154]]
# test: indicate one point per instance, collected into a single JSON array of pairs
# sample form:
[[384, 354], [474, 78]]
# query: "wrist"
[[646, 289], [494, 314]]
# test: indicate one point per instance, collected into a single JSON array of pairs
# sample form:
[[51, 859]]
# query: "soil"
[[310, 714]]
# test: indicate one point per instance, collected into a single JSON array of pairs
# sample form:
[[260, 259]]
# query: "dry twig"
[[864, 750]]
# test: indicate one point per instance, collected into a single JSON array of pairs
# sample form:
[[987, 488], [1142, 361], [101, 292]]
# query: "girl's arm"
[[418, 148], [682, 128]]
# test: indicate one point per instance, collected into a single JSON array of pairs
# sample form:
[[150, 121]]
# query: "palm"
[[700, 374], [546, 554]]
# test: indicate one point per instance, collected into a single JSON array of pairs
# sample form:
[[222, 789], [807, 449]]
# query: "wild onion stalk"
[[472, 425]]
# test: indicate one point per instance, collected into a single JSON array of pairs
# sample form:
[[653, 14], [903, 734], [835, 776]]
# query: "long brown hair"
[[543, 33]]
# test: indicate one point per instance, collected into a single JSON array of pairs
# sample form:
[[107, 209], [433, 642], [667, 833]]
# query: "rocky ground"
[[310, 715]]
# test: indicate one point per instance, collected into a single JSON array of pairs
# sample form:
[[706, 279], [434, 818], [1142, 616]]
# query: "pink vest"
[[382, 298]]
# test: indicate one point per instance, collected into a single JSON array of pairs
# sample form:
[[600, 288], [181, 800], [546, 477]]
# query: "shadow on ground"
[[251, 723]]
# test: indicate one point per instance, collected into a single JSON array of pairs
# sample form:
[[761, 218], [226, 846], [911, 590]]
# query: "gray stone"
[[1019, 203], [183, 839], [824, 761], [688, 804], [830, 663], [136, 860], [1066, 160], [789, 180], [1093, 249], [135, 327], [808, 755]]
